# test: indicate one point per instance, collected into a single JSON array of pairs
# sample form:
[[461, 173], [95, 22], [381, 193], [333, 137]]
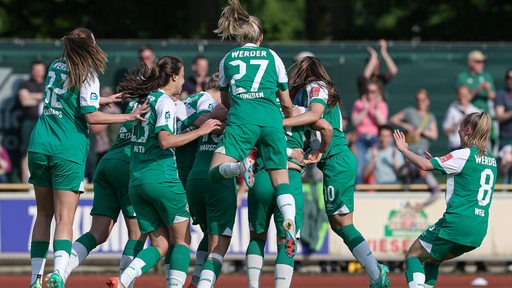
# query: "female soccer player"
[[250, 76], [471, 176], [337, 164], [59, 146], [110, 198], [262, 205], [156, 192]]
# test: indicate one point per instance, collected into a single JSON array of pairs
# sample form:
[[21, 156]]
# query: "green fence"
[[433, 66]]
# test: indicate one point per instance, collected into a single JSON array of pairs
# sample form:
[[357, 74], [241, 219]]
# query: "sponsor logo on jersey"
[[93, 96], [167, 115], [446, 157], [314, 92]]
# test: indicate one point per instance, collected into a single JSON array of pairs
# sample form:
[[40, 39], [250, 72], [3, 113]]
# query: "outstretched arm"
[[415, 159], [392, 69]]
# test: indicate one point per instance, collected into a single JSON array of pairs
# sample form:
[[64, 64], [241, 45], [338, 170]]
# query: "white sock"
[[254, 266], [418, 279], [283, 275], [198, 266], [78, 254], [207, 279], [286, 204], [229, 170], [132, 272], [365, 257], [123, 264], [37, 268], [178, 278], [427, 286], [60, 261], [167, 275]]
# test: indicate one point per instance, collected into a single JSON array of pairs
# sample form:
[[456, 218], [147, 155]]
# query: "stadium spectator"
[[470, 185], [458, 109], [147, 56], [420, 127], [5, 164], [372, 68], [503, 108], [59, 146], [383, 160], [368, 113], [482, 87], [30, 96], [198, 81]]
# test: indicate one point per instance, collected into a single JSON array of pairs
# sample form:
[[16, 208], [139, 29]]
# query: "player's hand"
[[313, 157], [400, 142], [139, 111], [297, 155], [209, 126]]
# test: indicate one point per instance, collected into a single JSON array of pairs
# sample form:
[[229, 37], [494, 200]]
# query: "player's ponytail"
[[480, 124], [139, 83], [83, 57], [235, 21]]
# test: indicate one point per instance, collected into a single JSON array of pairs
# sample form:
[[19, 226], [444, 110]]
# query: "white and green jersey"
[[62, 129], [253, 75], [206, 146], [195, 105], [469, 188], [122, 145], [316, 92], [150, 163]]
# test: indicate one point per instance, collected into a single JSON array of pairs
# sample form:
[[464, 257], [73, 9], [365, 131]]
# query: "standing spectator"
[[421, 128], [384, 161], [503, 109], [369, 112], [482, 86], [372, 68], [146, 56], [197, 82], [458, 109], [30, 95], [5, 164]]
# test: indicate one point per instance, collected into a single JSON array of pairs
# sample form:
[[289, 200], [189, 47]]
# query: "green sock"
[[88, 241], [282, 189], [256, 246], [180, 258], [350, 236], [203, 244], [431, 273], [39, 249], [215, 176], [150, 256], [64, 245], [129, 248], [214, 266], [282, 258], [414, 272], [167, 259]]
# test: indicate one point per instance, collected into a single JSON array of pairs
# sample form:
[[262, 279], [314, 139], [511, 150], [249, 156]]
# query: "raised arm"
[[390, 64], [415, 159]]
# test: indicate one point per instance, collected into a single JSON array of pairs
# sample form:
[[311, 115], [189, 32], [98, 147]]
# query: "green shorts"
[[339, 172], [111, 189], [439, 247], [213, 206], [238, 141], [262, 203], [55, 172], [159, 204]]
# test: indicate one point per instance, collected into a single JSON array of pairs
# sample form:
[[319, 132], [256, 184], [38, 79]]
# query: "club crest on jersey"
[[93, 96], [167, 115], [446, 157], [314, 92]]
